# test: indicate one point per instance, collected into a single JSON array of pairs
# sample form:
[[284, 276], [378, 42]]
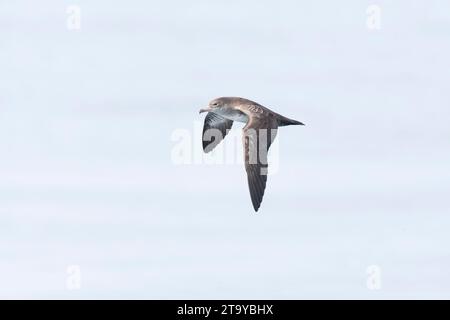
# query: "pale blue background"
[[86, 176]]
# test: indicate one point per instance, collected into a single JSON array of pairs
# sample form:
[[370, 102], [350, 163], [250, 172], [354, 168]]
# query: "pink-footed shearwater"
[[258, 134]]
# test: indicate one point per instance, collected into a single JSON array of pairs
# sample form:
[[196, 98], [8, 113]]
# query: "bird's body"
[[240, 109], [258, 134]]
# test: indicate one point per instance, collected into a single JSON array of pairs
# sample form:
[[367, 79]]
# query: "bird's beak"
[[204, 110]]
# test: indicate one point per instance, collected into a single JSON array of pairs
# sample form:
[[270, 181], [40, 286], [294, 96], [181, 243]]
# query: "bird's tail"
[[283, 121]]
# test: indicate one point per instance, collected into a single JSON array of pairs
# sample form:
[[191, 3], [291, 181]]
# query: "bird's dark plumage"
[[212, 138], [258, 134]]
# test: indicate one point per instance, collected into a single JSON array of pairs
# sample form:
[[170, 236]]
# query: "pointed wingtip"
[[207, 148], [256, 206]]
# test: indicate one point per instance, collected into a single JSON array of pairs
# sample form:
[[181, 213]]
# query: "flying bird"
[[258, 134]]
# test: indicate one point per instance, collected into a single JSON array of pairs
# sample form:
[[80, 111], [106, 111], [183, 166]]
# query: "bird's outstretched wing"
[[214, 130], [258, 135]]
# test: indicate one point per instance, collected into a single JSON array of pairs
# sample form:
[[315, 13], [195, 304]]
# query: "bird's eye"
[[215, 104]]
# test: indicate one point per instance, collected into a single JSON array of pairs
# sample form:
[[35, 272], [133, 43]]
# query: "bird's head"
[[215, 105]]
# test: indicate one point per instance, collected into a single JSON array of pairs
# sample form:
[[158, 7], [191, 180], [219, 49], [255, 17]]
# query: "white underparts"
[[234, 115]]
